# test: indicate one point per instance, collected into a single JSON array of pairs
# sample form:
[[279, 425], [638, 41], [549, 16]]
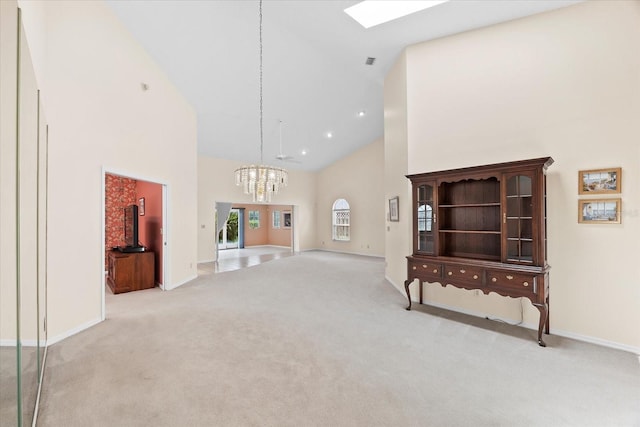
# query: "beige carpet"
[[321, 339], [9, 384]]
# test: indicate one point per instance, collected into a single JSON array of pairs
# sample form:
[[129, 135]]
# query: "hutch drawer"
[[427, 270], [464, 274], [510, 280]]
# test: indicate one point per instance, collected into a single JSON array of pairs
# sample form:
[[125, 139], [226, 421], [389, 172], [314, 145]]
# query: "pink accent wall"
[[150, 224], [265, 234], [255, 236], [279, 236]]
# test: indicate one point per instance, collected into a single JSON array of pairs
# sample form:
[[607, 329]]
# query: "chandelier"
[[261, 181]]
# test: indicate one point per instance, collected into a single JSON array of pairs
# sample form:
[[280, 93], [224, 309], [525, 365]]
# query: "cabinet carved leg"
[[406, 288], [544, 313], [546, 326]]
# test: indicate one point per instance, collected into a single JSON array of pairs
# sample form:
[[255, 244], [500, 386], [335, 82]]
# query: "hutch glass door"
[[425, 218], [518, 217]]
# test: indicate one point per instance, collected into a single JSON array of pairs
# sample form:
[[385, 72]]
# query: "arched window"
[[341, 222], [425, 215]]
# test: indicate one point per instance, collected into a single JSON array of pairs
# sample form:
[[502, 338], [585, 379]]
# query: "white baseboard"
[[597, 341], [73, 331], [346, 253], [206, 260], [559, 332], [187, 280]]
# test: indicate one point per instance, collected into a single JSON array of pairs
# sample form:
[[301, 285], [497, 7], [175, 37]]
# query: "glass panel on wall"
[[28, 230], [22, 293], [42, 235], [9, 319]]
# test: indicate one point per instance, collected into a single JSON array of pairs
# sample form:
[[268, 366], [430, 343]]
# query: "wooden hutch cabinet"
[[483, 228]]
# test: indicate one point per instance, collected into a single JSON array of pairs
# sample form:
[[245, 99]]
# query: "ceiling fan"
[[281, 156]]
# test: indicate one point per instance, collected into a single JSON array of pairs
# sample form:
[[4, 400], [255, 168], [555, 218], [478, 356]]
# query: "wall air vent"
[[370, 61]]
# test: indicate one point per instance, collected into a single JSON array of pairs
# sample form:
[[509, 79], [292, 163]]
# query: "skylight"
[[369, 13]]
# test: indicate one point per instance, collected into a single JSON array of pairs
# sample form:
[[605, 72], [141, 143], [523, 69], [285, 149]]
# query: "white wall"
[[397, 234], [100, 119], [565, 84], [216, 183], [358, 179]]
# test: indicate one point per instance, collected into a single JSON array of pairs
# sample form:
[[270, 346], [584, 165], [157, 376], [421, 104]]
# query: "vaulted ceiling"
[[315, 79]]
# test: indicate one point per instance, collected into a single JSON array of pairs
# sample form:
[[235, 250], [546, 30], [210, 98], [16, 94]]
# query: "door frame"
[[165, 230]]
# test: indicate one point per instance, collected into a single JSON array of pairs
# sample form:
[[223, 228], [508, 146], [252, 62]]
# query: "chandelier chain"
[[261, 181], [261, 129]]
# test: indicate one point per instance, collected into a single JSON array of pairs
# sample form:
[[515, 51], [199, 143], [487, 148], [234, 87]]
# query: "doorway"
[[229, 236], [120, 191]]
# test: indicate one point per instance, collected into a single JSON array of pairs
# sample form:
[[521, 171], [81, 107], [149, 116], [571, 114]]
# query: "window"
[[276, 219], [254, 219], [341, 223]]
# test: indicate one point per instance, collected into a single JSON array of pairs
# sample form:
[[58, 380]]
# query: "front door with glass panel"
[[229, 235]]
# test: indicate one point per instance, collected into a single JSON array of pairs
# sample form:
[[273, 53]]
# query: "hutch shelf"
[[483, 227]]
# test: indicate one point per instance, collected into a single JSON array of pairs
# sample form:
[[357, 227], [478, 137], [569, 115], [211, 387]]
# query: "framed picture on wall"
[[393, 210], [599, 211], [141, 206], [286, 219], [600, 181]]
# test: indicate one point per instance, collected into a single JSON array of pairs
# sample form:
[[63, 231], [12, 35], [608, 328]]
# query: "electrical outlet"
[[477, 292]]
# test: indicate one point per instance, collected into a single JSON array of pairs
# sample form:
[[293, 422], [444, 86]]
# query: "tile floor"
[[235, 259]]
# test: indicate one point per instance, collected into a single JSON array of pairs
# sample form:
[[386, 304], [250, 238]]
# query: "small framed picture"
[[141, 206], [393, 209], [599, 211], [600, 181], [287, 219]]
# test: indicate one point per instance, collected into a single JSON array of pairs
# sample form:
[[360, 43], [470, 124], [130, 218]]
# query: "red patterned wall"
[[119, 193]]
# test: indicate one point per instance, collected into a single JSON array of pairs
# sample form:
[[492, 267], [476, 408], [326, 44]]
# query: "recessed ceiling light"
[[329, 134], [303, 152], [369, 13], [362, 113]]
